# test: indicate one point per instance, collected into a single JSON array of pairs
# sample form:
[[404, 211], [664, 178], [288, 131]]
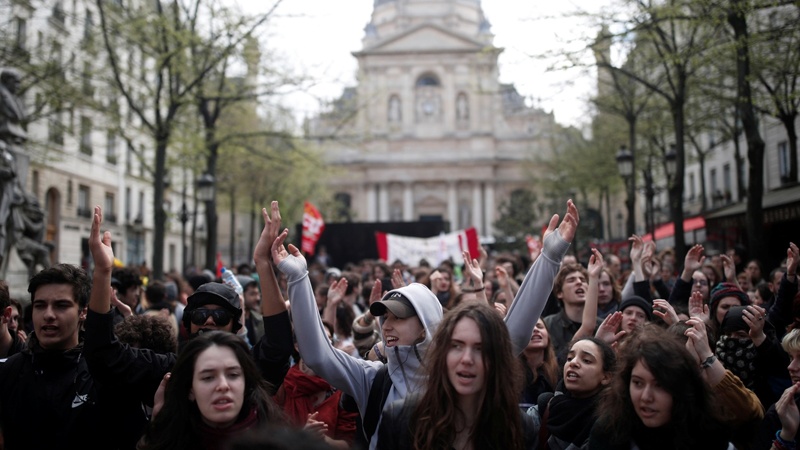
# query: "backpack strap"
[[378, 392]]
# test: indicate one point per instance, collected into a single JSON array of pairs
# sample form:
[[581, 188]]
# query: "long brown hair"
[[550, 367], [499, 422]]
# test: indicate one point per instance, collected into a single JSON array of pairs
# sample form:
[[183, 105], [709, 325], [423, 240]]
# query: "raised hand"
[[397, 279], [788, 412], [596, 264], [607, 331], [697, 344], [568, 226], [664, 309], [336, 291], [472, 270], [272, 228], [637, 249], [693, 261], [279, 252], [100, 246], [435, 277], [792, 259], [698, 308], [755, 317], [729, 268], [376, 293]]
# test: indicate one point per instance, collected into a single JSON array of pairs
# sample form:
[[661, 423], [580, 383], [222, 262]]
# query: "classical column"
[[408, 203], [372, 203], [477, 207], [452, 205], [490, 212], [383, 202]]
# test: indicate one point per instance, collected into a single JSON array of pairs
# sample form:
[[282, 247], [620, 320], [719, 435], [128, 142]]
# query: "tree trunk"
[[737, 151], [233, 226], [676, 188], [755, 144], [159, 215], [701, 159], [631, 202]]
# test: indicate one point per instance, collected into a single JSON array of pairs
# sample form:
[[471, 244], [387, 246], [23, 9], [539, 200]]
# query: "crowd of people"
[[502, 352]]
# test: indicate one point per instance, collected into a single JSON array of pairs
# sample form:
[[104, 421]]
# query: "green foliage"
[[517, 218]]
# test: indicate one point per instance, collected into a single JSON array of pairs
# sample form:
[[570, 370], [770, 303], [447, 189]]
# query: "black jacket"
[[395, 430], [48, 399]]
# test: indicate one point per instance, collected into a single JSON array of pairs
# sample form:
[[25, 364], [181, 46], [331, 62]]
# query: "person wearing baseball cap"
[[213, 306]]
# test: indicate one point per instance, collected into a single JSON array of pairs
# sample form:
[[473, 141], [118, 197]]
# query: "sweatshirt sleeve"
[[273, 350], [534, 291], [352, 376], [116, 364], [731, 395]]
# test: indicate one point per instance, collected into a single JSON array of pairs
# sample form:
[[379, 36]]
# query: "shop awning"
[[668, 229]]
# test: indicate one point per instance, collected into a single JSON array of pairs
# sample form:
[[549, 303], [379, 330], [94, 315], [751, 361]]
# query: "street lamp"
[[625, 166], [205, 194], [671, 162]]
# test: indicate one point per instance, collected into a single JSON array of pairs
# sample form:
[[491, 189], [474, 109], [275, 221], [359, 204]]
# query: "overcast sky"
[[316, 37]]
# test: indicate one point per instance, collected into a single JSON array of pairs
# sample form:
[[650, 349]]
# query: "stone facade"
[[429, 133]]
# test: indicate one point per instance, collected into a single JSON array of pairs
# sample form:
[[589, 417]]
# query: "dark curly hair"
[[64, 274], [128, 277], [694, 419], [147, 331]]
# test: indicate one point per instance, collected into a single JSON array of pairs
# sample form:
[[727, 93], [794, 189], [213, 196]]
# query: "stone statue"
[[462, 107], [22, 222], [12, 110]]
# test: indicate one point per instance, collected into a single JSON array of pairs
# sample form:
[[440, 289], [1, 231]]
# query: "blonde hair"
[[791, 342]]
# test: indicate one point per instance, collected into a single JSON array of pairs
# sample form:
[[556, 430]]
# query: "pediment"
[[425, 38]]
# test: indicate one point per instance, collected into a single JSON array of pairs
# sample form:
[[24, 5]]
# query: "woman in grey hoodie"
[[407, 338]]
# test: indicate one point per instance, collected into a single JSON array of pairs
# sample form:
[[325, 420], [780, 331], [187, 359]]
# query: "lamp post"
[[625, 165], [205, 194], [183, 216]]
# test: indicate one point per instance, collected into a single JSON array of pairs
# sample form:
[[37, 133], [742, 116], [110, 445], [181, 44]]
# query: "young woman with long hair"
[[215, 391], [658, 398], [471, 391], [540, 365], [568, 415]]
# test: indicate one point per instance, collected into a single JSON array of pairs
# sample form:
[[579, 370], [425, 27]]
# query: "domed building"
[[429, 132]]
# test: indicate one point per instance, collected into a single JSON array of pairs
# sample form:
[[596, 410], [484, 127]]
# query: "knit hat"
[[726, 289], [246, 280], [635, 300], [214, 294], [734, 320]]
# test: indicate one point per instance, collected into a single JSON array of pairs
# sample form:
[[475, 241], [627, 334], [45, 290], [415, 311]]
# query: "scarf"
[[217, 438], [299, 392], [571, 419], [738, 356]]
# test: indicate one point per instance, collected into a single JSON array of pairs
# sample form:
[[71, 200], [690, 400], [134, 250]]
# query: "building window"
[[84, 200], [22, 34], [140, 214], [726, 182], [86, 135], [141, 161], [428, 99], [55, 128], [128, 204], [69, 192], [783, 160], [395, 113], [109, 211], [111, 147], [129, 161], [692, 187], [462, 107], [35, 183]]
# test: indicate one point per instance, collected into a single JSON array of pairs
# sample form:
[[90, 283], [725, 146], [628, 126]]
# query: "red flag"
[[220, 265], [313, 225]]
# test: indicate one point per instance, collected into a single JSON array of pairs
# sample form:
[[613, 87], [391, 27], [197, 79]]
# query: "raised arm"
[[589, 318], [272, 302], [535, 288], [351, 375], [103, 257]]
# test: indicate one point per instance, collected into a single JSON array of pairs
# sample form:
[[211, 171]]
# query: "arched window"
[[428, 99]]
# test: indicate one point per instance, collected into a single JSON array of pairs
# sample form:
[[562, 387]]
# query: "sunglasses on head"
[[221, 317]]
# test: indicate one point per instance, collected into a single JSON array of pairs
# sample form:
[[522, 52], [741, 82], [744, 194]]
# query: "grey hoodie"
[[354, 376]]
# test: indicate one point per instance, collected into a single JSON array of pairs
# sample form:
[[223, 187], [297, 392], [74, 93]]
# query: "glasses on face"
[[221, 317]]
